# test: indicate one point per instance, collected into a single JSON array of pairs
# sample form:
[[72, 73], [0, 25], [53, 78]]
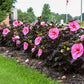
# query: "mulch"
[[20, 57]]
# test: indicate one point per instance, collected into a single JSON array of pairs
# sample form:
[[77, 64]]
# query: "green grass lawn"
[[81, 26], [13, 73]]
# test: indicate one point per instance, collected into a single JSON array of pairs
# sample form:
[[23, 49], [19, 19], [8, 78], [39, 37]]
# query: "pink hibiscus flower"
[[25, 30], [74, 26], [36, 22], [15, 38], [1, 28], [53, 33], [5, 31], [27, 60], [25, 45], [33, 49], [43, 24], [70, 33], [65, 28], [37, 40], [82, 37], [20, 23], [18, 42], [47, 22], [39, 52], [77, 50], [34, 46], [15, 23]]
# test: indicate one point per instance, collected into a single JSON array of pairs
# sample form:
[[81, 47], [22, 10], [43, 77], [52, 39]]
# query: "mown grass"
[[13, 73]]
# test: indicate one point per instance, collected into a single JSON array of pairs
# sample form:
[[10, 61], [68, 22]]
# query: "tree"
[[54, 16], [46, 12], [20, 14], [69, 17], [58, 17], [30, 10], [30, 14], [27, 16], [5, 8], [76, 17]]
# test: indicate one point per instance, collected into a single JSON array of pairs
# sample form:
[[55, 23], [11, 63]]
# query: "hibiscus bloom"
[[20, 23], [25, 45], [5, 31], [65, 28], [39, 52], [25, 30], [37, 40], [77, 50], [82, 37], [36, 22], [18, 42], [53, 33], [1, 28], [15, 38], [47, 22], [74, 26], [33, 49], [43, 24], [27, 60], [15, 23]]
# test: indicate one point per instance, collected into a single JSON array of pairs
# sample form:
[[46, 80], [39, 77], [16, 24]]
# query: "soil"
[[38, 65]]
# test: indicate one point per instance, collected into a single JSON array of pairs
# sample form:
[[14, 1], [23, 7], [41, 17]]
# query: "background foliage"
[[5, 8], [46, 13], [27, 16]]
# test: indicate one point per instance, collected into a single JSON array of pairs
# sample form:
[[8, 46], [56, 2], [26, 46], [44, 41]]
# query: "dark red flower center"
[[16, 23], [38, 40], [54, 33], [77, 50], [5, 31], [74, 26], [25, 30]]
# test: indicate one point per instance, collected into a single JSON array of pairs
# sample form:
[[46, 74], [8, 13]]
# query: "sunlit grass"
[[13, 73]]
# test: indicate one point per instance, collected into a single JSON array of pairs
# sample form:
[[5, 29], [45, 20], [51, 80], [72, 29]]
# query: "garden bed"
[[47, 47], [20, 56]]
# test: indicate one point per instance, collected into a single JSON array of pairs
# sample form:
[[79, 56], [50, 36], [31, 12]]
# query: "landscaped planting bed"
[[59, 47]]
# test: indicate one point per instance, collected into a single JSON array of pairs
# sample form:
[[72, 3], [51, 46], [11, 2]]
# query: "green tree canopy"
[[30, 14], [30, 9], [20, 14], [5, 7], [76, 17], [79, 17], [57, 17], [27, 16], [46, 12]]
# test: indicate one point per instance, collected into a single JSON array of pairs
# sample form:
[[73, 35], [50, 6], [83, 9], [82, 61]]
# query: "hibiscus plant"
[[58, 46]]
